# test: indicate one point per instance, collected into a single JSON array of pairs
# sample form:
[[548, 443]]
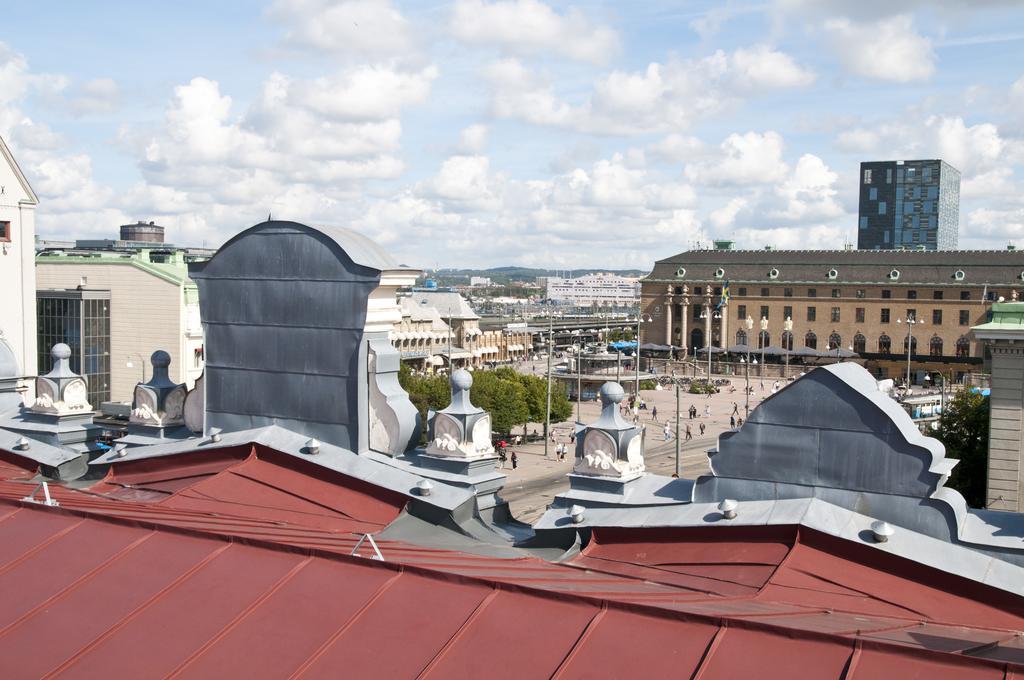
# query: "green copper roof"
[[174, 271], [1006, 316]]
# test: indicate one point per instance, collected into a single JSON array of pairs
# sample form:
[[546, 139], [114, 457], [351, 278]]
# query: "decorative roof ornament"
[[460, 430], [610, 447], [61, 391], [159, 402]]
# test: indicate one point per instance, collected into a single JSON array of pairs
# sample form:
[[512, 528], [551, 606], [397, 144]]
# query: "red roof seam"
[[130, 616], [295, 495], [36, 548], [81, 580], [716, 619], [240, 617], [705, 659], [972, 651], [334, 637], [669, 571], [916, 613], [584, 634], [851, 663], [12, 513], [473, 616]]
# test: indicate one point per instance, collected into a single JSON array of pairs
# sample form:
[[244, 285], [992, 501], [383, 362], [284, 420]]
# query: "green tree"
[[503, 396], [963, 429]]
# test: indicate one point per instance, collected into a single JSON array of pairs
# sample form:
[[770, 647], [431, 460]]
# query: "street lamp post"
[[787, 343], [677, 420], [640, 318], [708, 314], [761, 340], [551, 349], [911, 322]]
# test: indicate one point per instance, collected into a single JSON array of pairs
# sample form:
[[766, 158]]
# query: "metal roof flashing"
[[363, 467]]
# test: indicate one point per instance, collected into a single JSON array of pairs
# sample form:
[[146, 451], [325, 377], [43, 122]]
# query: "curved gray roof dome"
[[612, 393], [8, 362]]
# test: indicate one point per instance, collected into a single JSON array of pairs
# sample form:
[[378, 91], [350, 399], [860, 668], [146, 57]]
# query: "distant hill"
[[506, 275]]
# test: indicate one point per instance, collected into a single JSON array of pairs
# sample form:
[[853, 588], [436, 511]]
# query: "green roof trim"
[[172, 272], [1006, 316]]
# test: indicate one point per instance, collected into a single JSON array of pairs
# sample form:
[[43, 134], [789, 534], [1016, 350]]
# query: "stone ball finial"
[[60, 351], [160, 359], [612, 393], [462, 379]]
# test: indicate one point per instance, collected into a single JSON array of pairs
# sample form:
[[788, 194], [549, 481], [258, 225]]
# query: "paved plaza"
[[536, 480]]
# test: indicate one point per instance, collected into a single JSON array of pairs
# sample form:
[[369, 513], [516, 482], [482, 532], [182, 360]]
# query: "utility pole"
[[551, 349]]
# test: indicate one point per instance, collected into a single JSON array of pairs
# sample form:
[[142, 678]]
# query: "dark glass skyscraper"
[[908, 204]]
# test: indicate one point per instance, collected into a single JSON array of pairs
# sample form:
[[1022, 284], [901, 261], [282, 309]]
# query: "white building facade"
[[17, 266], [605, 290]]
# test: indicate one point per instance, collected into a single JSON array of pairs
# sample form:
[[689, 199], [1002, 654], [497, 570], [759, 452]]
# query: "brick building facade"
[[836, 298]]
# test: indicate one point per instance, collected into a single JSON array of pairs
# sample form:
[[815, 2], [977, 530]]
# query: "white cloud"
[[472, 139], [365, 92], [744, 159], [725, 216], [887, 49], [361, 27], [809, 193], [660, 98], [529, 27]]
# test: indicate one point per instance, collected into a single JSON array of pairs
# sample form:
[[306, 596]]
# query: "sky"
[[480, 133]]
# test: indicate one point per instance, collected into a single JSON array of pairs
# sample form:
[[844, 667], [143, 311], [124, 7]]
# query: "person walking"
[[707, 410], [515, 460], [701, 434], [732, 421], [654, 413], [668, 432], [735, 409], [689, 433], [501, 458]]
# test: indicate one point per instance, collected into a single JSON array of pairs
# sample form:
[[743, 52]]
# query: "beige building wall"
[[17, 274], [147, 313]]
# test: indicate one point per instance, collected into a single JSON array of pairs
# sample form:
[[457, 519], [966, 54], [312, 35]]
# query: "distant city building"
[[479, 281], [908, 204], [607, 290], [17, 280], [142, 232], [836, 299], [112, 307], [434, 319]]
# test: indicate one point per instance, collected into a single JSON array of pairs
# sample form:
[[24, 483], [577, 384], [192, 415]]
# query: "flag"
[[725, 296]]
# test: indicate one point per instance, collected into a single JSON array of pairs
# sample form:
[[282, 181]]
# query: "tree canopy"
[[963, 430], [511, 397]]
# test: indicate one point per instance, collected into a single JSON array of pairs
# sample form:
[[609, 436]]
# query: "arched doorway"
[[697, 338]]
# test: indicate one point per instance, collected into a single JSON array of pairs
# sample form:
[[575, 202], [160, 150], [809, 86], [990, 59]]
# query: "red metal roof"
[[243, 571]]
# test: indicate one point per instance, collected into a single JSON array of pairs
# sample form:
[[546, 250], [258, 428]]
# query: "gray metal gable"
[[284, 307]]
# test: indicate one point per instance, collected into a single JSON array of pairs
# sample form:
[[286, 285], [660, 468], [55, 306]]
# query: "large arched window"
[[763, 339], [835, 341], [935, 346], [741, 337], [884, 344], [860, 343], [811, 340], [913, 345], [963, 347], [787, 340]]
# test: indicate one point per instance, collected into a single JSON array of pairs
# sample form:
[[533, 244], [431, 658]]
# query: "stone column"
[[1005, 488], [668, 316], [708, 313], [684, 316], [725, 325]]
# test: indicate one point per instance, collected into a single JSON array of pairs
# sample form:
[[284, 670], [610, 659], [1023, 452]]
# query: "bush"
[[703, 387]]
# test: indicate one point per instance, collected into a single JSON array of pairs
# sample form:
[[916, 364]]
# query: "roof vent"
[[881, 531], [424, 487], [894, 274], [215, 434], [719, 273], [958, 275], [120, 450], [576, 513], [773, 274], [681, 272], [22, 444], [313, 447], [728, 508], [1022, 276], [832, 274]]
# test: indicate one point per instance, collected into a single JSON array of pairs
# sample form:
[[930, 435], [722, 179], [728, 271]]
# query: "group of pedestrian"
[[505, 455]]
